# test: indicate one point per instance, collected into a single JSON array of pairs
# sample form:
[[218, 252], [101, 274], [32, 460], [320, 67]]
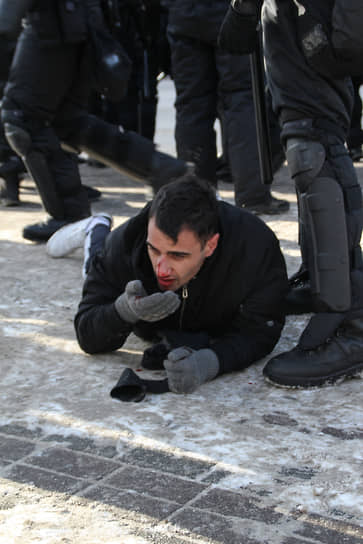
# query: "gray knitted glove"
[[135, 304], [187, 369]]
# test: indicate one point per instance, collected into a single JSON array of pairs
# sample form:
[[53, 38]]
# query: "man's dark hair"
[[188, 202]]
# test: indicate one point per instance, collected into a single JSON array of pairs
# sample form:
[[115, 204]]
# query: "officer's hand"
[[238, 33], [135, 304], [187, 369]]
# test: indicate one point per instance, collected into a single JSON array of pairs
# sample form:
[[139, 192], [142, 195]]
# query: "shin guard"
[[36, 164]]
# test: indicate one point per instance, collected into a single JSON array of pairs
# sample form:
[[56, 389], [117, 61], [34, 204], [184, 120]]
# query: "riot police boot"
[[356, 153], [9, 193], [299, 298], [41, 232], [92, 193], [9, 172], [308, 364], [268, 206]]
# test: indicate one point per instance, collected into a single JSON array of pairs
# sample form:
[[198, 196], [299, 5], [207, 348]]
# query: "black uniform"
[[45, 104], [143, 35], [212, 83], [234, 301], [315, 112], [48, 81], [11, 166]]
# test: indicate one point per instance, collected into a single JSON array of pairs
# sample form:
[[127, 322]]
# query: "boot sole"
[[332, 379]]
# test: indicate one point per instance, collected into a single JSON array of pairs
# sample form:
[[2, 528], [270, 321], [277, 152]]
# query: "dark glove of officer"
[[187, 369], [238, 33], [135, 304]]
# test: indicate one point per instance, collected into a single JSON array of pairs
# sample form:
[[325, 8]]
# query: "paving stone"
[[79, 465], [216, 476], [168, 539], [207, 524], [234, 504], [347, 534], [14, 449], [87, 445], [20, 430], [45, 479], [135, 504], [157, 484], [156, 538], [338, 525], [158, 460]]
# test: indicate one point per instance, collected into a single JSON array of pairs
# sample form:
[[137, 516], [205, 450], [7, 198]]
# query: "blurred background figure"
[[45, 105], [12, 168], [213, 84], [140, 27]]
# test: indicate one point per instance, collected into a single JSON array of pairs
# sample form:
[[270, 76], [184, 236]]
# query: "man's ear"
[[211, 244]]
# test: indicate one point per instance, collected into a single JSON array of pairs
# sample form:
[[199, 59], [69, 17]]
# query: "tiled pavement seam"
[[167, 490]]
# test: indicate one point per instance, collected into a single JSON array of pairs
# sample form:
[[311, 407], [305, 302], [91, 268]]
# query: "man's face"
[[177, 263]]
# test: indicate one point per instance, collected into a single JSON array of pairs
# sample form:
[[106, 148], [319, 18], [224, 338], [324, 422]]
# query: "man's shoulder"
[[243, 231]]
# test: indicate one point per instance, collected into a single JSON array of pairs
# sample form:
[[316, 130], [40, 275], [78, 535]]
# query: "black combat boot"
[[41, 232], [340, 356], [10, 172]]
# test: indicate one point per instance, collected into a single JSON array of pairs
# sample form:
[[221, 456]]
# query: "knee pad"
[[305, 159], [18, 138], [36, 163], [322, 218]]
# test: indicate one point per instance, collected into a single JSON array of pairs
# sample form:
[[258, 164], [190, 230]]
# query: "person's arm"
[[252, 333], [98, 325], [238, 33], [113, 301], [256, 328]]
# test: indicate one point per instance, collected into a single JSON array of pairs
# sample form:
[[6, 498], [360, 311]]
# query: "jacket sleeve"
[[256, 328], [98, 325]]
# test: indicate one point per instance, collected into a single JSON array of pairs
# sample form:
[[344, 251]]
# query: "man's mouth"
[[165, 282]]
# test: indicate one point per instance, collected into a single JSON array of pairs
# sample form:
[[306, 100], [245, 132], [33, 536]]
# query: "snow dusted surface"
[[300, 450]]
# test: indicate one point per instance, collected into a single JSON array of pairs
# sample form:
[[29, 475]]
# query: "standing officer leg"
[[330, 209]]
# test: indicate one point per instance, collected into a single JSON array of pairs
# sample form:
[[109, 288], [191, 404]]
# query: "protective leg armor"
[[323, 233], [126, 152], [20, 141]]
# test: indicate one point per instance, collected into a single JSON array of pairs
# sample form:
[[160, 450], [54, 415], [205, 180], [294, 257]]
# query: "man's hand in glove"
[[238, 33], [187, 369], [135, 304]]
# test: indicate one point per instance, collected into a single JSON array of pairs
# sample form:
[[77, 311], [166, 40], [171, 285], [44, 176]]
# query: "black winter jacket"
[[235, 299], [53, 21]]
